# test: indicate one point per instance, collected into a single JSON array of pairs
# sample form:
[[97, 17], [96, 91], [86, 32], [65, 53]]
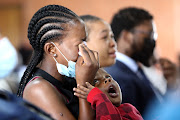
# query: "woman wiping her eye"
[[56, 35]]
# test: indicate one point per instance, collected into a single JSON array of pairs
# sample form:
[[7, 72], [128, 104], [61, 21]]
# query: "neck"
[[50, 67]]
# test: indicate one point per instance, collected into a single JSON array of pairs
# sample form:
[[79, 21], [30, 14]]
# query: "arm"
[[99, 102], [86, 68]]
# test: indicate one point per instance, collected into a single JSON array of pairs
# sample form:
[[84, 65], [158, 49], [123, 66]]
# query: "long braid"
[[45, 25]]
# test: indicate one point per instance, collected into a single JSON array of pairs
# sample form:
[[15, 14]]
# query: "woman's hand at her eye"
[[87, 65]]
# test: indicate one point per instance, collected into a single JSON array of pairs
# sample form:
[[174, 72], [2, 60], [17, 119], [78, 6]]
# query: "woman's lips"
[[112, 54]]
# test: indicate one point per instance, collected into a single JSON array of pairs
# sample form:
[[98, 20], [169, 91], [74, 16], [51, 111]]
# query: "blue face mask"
[[8, 57], [64, 70]]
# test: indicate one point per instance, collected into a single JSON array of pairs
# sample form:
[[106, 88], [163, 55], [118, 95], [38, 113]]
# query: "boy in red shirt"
[[105, 97]]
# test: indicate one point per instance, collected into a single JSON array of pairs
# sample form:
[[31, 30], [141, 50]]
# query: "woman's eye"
[[105, 37]]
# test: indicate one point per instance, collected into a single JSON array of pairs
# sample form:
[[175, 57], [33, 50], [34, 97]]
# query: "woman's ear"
[[49, 49]]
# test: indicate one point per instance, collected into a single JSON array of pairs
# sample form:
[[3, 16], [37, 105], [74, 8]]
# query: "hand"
[[169, 71], [81, 91], [86, 66]]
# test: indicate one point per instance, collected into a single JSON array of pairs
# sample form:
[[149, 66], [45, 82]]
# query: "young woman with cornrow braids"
[[56, 35]]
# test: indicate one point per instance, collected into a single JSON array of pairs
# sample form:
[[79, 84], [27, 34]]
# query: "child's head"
[[101, 39], [108, 86]]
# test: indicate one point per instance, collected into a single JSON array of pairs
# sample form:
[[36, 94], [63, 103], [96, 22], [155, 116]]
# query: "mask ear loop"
[[60, 52], [55, 60]]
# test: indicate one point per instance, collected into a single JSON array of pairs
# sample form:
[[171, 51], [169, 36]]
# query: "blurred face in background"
[[143, 42], [101, 39]]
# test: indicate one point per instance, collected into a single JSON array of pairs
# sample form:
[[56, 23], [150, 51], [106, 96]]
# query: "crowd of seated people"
[[82, 67]]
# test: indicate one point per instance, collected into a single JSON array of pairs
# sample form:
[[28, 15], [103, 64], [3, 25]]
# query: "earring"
[[55, 55]]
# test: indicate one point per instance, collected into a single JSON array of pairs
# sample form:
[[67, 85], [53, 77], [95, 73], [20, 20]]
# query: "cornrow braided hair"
[[46, 24]]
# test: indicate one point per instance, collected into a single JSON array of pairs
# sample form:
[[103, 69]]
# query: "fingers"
[[85, 54], [89, 86], [79, 91], [93, 54], [80, 96], [88, 55], [79, 61], [97, 57], [84, 89]]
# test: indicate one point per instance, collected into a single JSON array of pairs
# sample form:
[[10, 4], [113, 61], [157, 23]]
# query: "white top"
[[127, 61]]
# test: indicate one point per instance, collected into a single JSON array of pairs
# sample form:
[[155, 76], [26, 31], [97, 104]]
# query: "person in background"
[[170, 108], [56, 35], [155, 74], [8, 63], [134, 33], [24, 58], [171, 73], [100, 38]]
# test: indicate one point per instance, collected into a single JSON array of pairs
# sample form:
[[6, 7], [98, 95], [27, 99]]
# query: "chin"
[[117, 104], [110, 63]]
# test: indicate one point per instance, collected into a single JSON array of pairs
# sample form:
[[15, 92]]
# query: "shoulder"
[[45, 96], [39, 88], [127, 107]]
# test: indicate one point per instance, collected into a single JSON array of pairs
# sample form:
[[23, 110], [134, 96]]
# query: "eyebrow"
[[103, 31]]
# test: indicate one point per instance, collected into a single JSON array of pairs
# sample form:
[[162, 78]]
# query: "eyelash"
[[108, 76], [105, 37]]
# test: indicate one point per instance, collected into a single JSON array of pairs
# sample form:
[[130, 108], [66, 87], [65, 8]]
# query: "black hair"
[[127, 19], [89, 18], [46, 24]]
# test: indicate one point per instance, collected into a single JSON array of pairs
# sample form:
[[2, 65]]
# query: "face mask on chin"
[[145, 53], [64, 70]]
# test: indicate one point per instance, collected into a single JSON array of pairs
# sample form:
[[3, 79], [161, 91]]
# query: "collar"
[[127, 61]]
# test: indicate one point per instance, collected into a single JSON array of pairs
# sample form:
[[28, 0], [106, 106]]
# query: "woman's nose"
[[113, 43]]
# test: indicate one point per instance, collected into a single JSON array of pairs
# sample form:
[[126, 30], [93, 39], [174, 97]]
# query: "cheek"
[[139, 43], [102, 49], [72, 53]]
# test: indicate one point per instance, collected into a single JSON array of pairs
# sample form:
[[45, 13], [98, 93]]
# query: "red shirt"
[[105, 110]]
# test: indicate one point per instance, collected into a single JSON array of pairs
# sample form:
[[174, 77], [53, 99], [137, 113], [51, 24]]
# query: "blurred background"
[[16, 14]]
